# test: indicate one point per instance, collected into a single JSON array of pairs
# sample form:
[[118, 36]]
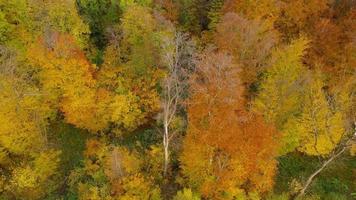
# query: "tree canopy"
[[177, 99]]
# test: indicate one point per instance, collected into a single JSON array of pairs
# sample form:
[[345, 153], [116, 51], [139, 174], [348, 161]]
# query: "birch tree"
[[177, 54]]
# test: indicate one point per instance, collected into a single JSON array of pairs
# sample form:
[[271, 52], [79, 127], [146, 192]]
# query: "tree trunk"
[[166, 150], [311, 177]]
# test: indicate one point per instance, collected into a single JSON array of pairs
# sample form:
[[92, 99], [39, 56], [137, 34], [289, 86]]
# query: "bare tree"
[[177, 55]]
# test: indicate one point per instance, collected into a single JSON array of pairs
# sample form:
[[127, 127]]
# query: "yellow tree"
[[300, 110], [319, 127], [325, 124], [133, 99], [89, 98], [281, 88], [131, 69], [66, 76], [114, 173], [28, 164], [266, 10]]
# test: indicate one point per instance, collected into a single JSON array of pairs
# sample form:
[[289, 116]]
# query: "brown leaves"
[[249, 41]]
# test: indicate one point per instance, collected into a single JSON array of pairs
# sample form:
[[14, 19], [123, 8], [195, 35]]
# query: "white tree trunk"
[[325, 164], [311, 177], [173, 86], [166, 149]]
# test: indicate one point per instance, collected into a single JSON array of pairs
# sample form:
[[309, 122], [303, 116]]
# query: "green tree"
[[100, 15], [28, 20], [140, 42], [186, 194]]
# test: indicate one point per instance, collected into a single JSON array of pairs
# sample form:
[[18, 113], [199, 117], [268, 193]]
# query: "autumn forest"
[[177, 99]]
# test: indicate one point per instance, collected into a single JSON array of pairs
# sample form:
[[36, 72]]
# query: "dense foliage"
[[177, 99]]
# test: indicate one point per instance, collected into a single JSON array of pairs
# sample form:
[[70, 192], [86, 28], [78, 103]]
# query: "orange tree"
[[228, 151]]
